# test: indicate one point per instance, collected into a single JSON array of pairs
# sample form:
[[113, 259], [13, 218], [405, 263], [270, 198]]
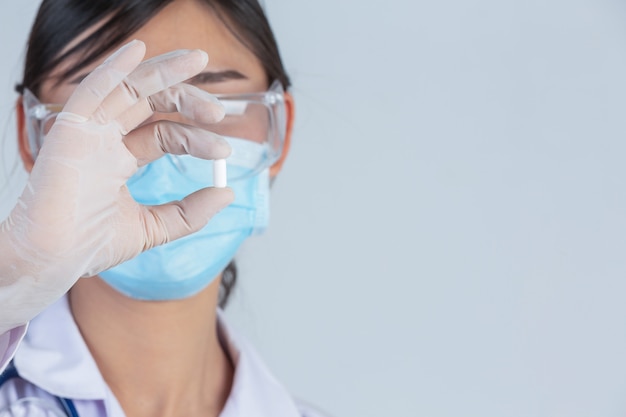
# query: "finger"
[[188, 100], [171, 221], [151, 77], [96, 86], [152, 141]]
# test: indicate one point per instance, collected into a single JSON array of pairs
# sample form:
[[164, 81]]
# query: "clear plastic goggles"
[[256, 117]]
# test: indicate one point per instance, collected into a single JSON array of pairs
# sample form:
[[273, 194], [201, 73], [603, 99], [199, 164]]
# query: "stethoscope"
[[66, 404]]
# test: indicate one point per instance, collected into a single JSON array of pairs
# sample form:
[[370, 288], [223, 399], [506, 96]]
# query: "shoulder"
[[17, 392], [9, 343], [255, 390], [308, 410]]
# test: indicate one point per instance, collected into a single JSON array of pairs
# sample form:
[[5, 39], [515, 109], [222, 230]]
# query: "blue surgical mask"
[[182, 268]]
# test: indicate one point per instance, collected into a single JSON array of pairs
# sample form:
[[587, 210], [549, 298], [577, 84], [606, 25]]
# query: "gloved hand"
[[76, 217]]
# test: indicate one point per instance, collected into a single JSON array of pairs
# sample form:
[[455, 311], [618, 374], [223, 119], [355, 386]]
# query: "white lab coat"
[[53, 360]]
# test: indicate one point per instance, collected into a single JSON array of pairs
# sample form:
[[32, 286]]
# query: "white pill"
[[219, 173]]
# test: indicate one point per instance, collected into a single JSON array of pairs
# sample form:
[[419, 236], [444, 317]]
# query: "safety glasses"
[[258, 119]]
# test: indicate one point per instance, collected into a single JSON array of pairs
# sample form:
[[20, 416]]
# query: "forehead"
[[190, 24], [183, 24]]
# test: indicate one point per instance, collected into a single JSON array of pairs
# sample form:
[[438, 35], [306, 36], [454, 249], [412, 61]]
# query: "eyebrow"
[[207, 77]]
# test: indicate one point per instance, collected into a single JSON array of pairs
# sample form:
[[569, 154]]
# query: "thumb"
[[174, 220]]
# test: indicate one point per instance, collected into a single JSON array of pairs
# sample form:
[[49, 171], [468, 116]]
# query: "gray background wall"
[[449, 234]]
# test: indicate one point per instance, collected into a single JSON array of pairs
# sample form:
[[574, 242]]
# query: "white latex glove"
[[76, 217]]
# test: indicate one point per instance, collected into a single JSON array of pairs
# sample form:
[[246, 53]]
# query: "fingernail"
[[229, 193], [120, 51], [220, 146], [205, 56]]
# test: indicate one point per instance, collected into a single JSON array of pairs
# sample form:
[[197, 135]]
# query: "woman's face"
[[184, 24]]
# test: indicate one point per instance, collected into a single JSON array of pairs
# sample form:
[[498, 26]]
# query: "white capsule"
[[219, 173]]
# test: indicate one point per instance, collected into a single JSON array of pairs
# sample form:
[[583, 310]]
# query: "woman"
[[120, 193]]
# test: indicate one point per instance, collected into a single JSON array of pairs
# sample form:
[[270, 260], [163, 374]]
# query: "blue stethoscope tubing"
[[68, 405]]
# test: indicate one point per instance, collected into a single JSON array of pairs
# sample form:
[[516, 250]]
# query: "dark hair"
[[58, 22]]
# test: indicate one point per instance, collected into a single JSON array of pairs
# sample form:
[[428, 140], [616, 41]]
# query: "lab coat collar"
[[255, 391], [54, 357]]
